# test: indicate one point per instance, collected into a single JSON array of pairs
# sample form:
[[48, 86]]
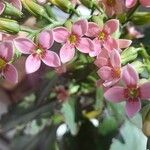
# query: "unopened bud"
[[10, 26], [35, 9], [11, 10], [141, 18], [64, 5]]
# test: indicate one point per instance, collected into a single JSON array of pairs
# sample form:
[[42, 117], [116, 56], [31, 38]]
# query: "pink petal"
[[119, 7], [33, 63], [6, 50], [115, 59], [17, 4], [102, 59], [97, 48], [115, 94], [111, 26], [105, 73], [60, 34], [51, 59], [111, 82], [24, 45], [2, 7], [145, 3], [145, 90], [85, 45], [46, 39], [93, 29], [124, 43], [109, 11], [132, 107], [111, 44], [67, 53], [80, 27], [130, 3], [41, 1], [10, 73], [130, 76]]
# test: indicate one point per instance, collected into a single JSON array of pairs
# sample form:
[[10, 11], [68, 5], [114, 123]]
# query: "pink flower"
[[7, 70], [102, 35], [132, 93], [72, 40], [111, 72], [112, 7], [42, 2], [15, 3], [133, 33], [132, 3], [39, 52]]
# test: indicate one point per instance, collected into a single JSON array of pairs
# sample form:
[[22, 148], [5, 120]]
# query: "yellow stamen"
[[117, 72], [39, 51], [72, 39], [111, 2], [101, 35], [2, 63]]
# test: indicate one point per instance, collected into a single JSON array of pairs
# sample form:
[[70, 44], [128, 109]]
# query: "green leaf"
[[133, 137], [68, 110]]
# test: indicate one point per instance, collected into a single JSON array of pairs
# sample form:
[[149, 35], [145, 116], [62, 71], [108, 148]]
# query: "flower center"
[[116, 72], [72, 39], [101, 35], [2, 63], [111, 2], [132, 93], [39, 51]]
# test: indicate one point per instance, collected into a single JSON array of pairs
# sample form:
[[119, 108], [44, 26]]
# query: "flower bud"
[[141, 18], [129, 54], [90, 4], [35, 9], [64, 5], [11, 10], [10, 26]]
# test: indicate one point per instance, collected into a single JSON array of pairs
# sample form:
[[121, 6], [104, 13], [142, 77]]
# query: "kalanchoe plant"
[[79, 73]]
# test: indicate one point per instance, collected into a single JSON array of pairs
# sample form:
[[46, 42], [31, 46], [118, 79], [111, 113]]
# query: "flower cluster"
[[121, 83]]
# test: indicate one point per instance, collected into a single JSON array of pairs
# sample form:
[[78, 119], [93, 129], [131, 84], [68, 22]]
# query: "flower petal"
[[6, 50], [123, 43], [132, 107], [144, 90], [24, 45], [111, 26], [33, 63], [145, 3], [93, 29], [85, 45], [51, 59], [80, 27], [60, 34], [115, 94], [10, 73], [130, 76], [17, 4], [111, 44], [67, 53], [2, 7], [105, 73], [115, 59], [130, 3], [97, 48], [46, 39]]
